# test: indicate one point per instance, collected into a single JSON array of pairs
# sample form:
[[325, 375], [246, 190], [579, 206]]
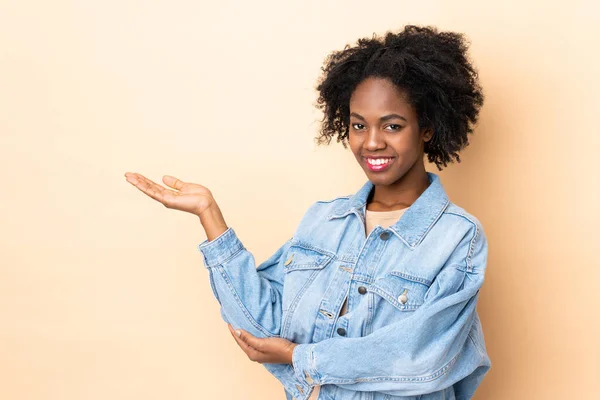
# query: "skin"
[[372, 133]]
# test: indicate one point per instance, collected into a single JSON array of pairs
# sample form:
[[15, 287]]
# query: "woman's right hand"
[[186, 196]]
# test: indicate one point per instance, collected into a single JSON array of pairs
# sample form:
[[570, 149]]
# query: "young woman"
[[374, 297]]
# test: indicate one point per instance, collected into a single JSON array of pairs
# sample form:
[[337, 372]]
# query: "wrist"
[[212, 221]]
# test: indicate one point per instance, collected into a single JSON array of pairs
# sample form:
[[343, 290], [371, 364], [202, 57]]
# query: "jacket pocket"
[[404, 292], [301, 266]]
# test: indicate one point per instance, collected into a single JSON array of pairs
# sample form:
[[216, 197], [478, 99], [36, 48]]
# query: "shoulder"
[[474, 241], [326, 208], [459, 215], [319, 213]]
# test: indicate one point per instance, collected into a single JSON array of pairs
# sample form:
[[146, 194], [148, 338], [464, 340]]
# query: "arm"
[[429, 351], [250, 297]]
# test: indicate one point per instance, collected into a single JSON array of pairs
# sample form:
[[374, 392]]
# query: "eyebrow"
[[384, 118]]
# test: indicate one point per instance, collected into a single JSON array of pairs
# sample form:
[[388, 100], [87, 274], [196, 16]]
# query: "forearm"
[[212, 221]]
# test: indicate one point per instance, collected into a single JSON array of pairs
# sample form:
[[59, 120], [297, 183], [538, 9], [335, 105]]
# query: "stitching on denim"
[[290, 310], [233, 254], [312, 364], [212, 285], [402, 239], [317, 265], [250, 318], [343, 257], [308, 246], [468, 261], [402, 307], [417, 379], [432, 223], [415, 279], [414, 240], [479, 350]]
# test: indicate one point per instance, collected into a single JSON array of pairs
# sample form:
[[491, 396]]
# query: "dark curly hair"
[[432, 68]]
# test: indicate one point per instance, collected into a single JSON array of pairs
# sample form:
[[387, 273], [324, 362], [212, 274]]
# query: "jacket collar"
[[418, 219]]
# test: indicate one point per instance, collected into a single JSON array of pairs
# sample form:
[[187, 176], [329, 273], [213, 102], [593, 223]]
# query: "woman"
[[374, 297]]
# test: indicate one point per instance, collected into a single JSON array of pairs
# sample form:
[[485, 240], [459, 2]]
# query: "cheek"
[[407, 145], [354, 145]]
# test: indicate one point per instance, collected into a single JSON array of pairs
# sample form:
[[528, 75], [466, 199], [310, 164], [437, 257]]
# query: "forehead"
[[378, 96]]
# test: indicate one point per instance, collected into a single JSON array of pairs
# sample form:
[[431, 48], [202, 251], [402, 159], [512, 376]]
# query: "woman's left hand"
[[264, 350]]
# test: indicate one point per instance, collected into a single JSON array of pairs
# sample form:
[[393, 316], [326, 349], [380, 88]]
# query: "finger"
[[150, 188], [239, 341], [173, 182], [252, 353], [251, 340]]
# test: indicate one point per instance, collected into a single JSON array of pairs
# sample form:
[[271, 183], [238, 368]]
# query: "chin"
[[382, 179]]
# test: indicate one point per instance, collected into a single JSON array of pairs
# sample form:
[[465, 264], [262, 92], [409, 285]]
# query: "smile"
[[378, 164]]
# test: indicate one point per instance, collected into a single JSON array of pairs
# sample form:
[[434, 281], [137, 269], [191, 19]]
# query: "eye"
[[394, 127], [357, 126]]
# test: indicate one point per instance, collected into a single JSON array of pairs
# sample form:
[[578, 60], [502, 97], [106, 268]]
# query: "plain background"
[[103, 294]]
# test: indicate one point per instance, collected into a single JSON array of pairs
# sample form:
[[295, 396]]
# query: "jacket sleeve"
[[250, 297], [430, 350]]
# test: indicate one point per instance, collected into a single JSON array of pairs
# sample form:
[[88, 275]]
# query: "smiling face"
[[384, 133]]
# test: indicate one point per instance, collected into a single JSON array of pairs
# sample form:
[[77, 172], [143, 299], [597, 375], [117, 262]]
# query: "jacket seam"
[[468, 259], [220, 263], [479, 350], [412, 278], [285, 323], [415, 379], [308, 246]]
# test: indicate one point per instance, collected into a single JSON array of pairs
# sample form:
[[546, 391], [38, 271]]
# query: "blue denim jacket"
[[411, 330]]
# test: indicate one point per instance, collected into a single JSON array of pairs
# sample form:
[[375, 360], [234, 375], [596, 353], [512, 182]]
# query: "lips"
[[378, 163]]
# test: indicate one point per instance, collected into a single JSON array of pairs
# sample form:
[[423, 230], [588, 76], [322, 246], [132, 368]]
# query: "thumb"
[[173, 182]]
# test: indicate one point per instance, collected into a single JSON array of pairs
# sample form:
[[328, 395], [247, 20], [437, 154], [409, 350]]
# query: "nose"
[[374, 140]]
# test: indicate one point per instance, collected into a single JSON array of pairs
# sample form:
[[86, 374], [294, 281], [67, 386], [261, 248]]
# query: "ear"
[[427, 134]]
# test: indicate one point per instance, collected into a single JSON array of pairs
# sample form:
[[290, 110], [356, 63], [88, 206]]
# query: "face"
[[384, 133]]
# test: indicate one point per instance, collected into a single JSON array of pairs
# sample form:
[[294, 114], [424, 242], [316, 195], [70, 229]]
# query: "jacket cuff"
[[304, 364], [221, 248], [285, 374]]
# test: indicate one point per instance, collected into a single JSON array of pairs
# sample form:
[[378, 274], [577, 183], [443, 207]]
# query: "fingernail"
[[238, 332]]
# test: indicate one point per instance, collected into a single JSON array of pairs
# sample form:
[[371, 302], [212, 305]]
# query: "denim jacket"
[[411, 330]]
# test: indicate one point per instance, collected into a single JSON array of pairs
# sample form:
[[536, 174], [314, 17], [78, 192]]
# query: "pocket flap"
[[299, 257], [400, 291]]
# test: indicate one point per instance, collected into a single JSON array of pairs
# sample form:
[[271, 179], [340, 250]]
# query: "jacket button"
[[362, 290], [384, 235], [289, 260], [341, 331], [403, 298]]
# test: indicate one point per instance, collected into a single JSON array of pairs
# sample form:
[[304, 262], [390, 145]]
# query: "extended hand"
[[264, 350], [189, 197]]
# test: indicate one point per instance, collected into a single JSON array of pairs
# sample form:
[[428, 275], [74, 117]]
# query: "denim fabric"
[[411, 330]]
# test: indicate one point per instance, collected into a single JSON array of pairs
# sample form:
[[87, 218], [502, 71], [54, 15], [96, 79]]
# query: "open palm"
[[184, 196]]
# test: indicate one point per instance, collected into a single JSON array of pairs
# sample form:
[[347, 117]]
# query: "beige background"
[[103, 294]]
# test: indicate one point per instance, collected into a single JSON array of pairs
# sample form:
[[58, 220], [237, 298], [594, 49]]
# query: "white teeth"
[[378, 161]]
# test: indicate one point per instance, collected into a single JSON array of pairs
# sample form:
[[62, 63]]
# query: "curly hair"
[[432, 68]]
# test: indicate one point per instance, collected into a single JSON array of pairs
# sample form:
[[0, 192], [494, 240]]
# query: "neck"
[[400, 194]]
